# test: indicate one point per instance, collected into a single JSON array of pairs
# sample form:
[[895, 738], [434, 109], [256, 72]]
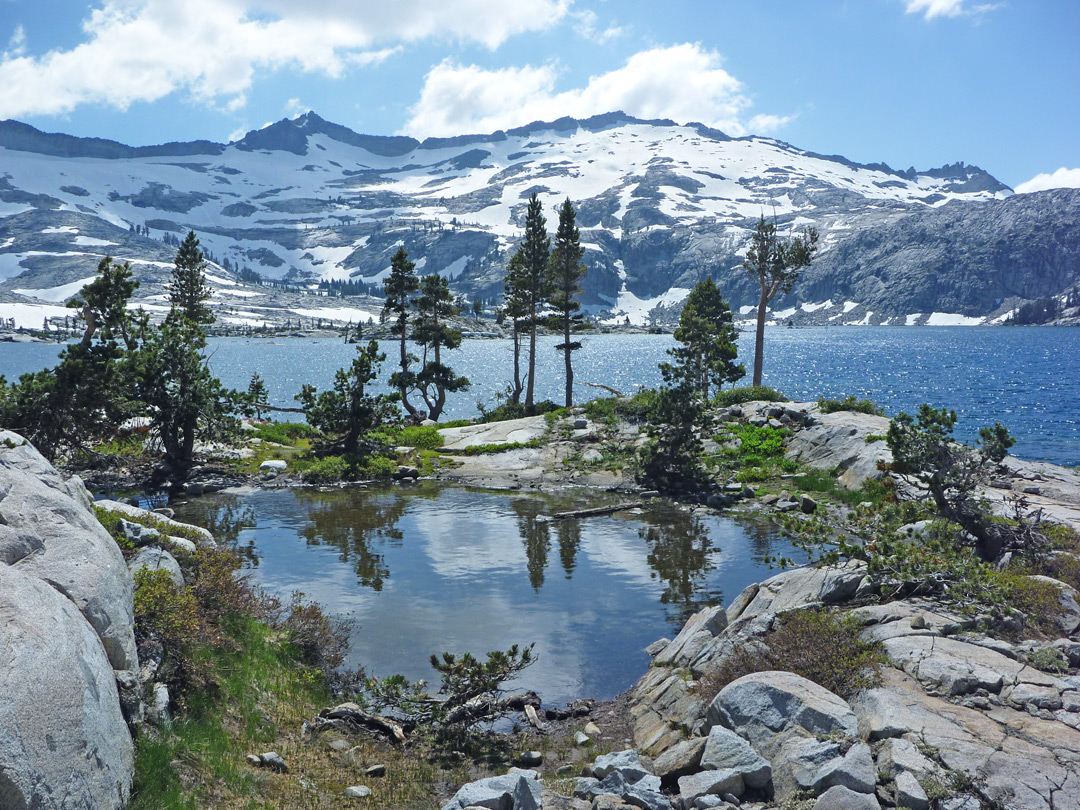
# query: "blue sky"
[[907, 82]]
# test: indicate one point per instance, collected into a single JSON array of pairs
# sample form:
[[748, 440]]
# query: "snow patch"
[[815, 307], [31, 316], [60, 293], [62, 229], [848, 306], [637, 309], [90, 241], [951, 319]]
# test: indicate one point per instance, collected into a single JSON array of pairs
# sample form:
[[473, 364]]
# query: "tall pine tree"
[[399, 288], [188, 290], [516, 308], [565, 272], [706, 358], [535, 249], [435, 380]]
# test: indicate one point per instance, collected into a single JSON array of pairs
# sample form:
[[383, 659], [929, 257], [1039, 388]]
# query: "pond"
[[429, 568]]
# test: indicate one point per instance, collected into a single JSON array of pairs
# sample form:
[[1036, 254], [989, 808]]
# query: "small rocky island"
[[843, 684]]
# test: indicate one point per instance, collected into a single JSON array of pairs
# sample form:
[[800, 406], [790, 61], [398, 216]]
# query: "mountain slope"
[[660, 206]]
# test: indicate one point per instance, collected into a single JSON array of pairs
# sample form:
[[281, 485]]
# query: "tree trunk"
[[569, 367], [530, 387], [515, 390], [759, 341], [403, 389]]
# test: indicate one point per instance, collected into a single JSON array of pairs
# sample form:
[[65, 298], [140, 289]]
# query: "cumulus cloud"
[[682, 82], [1062, 178], [947, 8], [142, 50]]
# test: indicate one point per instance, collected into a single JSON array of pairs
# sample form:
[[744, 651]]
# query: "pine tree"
[[535, 249], [774, 264], [516, 308], [565, 271], [399, 288], [706, 358], [188, 290], [435, 380]]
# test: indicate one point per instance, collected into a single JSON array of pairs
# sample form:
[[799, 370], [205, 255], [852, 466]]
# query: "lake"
[[429, 568], [1027, 378]]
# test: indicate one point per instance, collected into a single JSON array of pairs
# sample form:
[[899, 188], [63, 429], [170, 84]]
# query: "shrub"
[[163, 607], [819, 645], [283, 432], [849, 403], [765, 442], [320, 642], [1038, 600], [1049, 659], [327, 470], [422, 437], [632, 409], [378, 467], [509, 410], [747, 393]]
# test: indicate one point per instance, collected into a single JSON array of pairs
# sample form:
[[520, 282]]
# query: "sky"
[[907, 82]]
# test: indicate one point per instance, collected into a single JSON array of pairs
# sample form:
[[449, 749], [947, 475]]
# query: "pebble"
[[376, 771], [531, 758], [357, 792], [582, 739]]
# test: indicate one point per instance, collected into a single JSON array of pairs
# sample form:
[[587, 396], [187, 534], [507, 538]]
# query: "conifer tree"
[[399, 288], [565, 272], [535, 249], [188, 290], [435, 380], [516, 308], [774, 264], [706, 358]]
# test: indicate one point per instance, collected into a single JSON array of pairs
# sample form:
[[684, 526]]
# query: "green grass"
[[612, 409], [823, 482], [419, 436]]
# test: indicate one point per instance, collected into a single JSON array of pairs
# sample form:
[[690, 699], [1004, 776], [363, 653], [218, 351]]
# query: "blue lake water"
[[430, 568], [1026, 378]]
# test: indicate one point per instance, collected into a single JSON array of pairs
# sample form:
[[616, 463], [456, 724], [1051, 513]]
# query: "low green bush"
[[747, 393], [283, 432], [849, 403], [511, 411], [422, 437], [327, 470], [820, 645], [632, 409], [163, 607], [765, 442]]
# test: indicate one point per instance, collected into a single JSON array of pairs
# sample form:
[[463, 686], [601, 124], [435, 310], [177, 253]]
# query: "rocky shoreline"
[[960, 717]]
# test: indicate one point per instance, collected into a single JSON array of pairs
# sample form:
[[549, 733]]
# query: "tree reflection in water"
[[680, 554], [354, 522], [224, 516], [535, 535]]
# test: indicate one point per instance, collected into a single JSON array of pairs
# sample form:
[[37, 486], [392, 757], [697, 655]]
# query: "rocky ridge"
[[660, 205]]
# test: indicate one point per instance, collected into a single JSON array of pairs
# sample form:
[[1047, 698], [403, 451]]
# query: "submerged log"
[[596, 511]]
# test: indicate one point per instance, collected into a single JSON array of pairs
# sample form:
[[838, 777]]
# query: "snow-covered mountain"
[[660, 205]]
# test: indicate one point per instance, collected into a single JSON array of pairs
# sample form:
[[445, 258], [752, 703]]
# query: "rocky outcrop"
[[66, 623], [63, 739], [955, 712]]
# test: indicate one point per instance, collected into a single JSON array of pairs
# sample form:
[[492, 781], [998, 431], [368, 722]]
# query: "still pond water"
[[425, 569], [428, 568]]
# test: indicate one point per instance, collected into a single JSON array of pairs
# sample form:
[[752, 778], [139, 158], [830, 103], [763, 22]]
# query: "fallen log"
[[352, 713], [608, 388], [597, 510]]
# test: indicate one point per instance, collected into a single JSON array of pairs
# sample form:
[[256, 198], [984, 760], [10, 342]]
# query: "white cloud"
[[1062, 178], [16, 45], [682, 82], [947, 8], [588, 27], [295, 107], [143, 50]]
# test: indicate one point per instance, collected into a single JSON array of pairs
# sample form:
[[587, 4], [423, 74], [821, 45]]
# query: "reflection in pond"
[[427, 568]]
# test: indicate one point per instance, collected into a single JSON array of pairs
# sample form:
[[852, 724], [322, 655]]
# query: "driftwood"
[[351, 713], [534, 718], [597, 510], [607, 388]]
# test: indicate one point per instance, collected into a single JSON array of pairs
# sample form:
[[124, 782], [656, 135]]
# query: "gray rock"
[[138, 534], [1068, 618], [699, 630], [727, 751], [204, 536], [840, 798], [899, 755], [129, 690], [585, 787], [158, 710], [657, 646], [718, 500], [593, 730], [63, 739], [581, 738], [786, 506], [273, 761], [519, 790], [909, 792], [694, 785], [155, 559], [65, 545], [838, 440], [182, 544], [274, 464], [682, 758], [375, 771], [626, 763], [357, 792], [807, 504], [531, 758], [403, 472], [761, 706]]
